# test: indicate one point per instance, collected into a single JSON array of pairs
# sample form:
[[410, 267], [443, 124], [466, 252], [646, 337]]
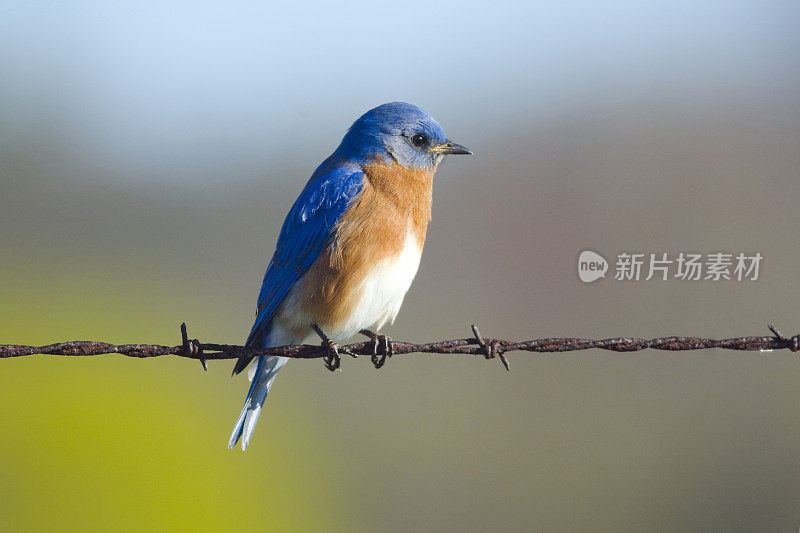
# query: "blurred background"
[[148, 155]]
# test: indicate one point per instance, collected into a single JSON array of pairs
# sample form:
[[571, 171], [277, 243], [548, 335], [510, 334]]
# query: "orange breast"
[[393, 203]]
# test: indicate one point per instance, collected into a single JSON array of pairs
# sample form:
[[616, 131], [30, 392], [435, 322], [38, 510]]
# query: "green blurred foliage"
[[113, 444]]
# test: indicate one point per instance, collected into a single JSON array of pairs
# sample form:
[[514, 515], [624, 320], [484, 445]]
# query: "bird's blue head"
[[398, 131]]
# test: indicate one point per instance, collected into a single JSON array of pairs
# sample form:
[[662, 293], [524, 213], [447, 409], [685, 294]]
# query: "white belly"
[[383, 289]]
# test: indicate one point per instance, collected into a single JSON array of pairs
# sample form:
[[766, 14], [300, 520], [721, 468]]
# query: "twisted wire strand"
[[476, 345]]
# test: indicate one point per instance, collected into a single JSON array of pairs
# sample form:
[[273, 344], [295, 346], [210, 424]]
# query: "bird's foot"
[[332, 360], [381, 347]]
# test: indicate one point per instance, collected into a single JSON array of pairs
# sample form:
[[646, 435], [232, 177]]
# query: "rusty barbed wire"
[[477, 345]]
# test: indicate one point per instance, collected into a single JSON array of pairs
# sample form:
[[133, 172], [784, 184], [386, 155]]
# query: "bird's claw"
[[381, 347], [379, 356], [332, 361]]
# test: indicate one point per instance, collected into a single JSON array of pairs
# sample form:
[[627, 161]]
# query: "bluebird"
[[350, 245]]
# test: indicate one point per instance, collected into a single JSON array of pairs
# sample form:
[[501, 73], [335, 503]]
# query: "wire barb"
[[477, 345], [793, 343], [192, 347], [492, 347]]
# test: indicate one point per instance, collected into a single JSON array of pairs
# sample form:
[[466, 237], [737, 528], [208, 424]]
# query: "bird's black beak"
[[451, 148]]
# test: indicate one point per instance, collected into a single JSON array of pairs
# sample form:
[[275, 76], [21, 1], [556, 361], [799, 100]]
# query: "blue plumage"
[[307, 229], [384, 132]]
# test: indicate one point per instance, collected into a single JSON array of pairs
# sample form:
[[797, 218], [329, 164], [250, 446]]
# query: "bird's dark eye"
[[419, 139]]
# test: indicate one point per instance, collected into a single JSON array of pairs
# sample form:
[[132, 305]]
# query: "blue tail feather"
[[266, 370]]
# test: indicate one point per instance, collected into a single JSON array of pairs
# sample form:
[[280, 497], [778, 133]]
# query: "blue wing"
[[307, 229]]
